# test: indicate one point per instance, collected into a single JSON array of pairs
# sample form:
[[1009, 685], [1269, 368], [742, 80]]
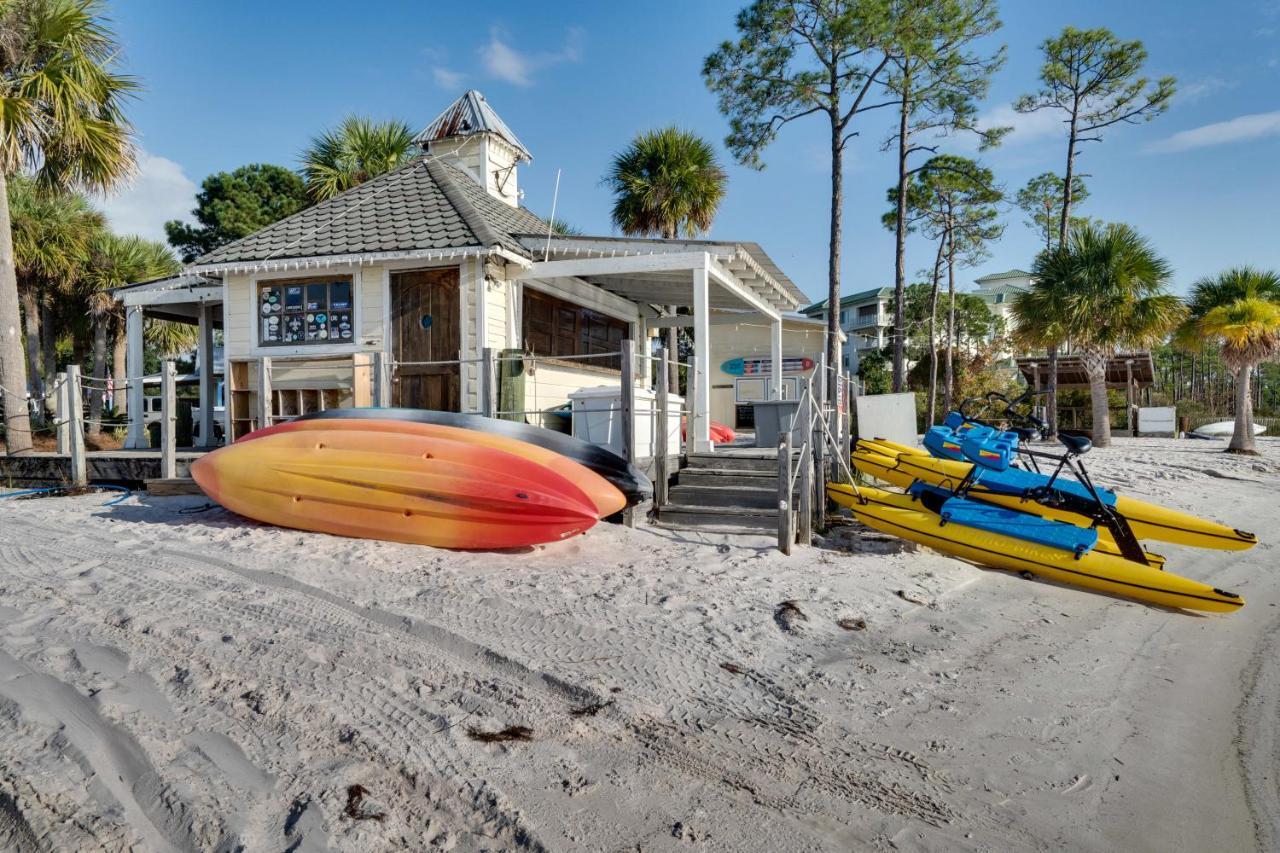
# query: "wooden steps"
[[172, 487], [733, 491]]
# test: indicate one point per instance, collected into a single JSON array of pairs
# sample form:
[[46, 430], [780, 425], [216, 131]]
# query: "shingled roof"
[[425, 205]]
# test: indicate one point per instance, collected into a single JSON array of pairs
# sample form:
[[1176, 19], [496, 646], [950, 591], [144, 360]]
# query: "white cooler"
[[597, 418]]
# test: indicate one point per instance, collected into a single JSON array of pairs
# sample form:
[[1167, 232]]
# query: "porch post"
[[700, 408], [134, 369], [204, 348], [775, 358]]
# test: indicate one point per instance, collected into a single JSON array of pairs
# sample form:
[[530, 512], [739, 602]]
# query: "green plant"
[[358, 150], [63, 114], [1239, 310]]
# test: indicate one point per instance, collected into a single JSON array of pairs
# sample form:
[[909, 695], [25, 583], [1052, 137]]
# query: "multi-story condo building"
[[865, 320]]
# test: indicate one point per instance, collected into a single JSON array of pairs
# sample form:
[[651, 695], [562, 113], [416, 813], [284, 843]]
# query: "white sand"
[[173, 681]]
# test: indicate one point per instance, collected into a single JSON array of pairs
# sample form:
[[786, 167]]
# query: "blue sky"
[[238, 82]]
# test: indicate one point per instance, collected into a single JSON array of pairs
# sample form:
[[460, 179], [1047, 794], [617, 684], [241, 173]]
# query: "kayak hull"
[[606, 497], [403, 488], [899, 515], [1147, 520], [629, 479]]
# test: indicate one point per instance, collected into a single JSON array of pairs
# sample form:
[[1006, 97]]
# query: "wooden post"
[[62, 414], [820, 416], [264, 393], [806, 494], [628, 415], [488, 384], [381, 380], [134, 369], [361, 380], [661, 472], [784, 493], [208, 387], [168, 420], [75, 407], [1128, 398]]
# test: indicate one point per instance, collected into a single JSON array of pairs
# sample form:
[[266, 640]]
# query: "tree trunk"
[[900, 246], [13, 368], [1051, 395], [49, 342], [833, 257], [1242, 438], [1096, 367], [31, 326], [1064, 224], [99, 373], [120, 374], [948, 374], [932, 405]]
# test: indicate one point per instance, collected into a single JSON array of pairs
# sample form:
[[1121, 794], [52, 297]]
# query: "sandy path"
[[192, 681]]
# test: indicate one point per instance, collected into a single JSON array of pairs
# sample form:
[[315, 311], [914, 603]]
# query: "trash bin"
[[774, 418]]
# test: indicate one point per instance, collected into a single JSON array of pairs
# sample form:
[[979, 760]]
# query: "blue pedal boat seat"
[[1007, 522]]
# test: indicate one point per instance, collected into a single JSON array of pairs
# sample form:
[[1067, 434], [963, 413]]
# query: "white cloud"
[[1200, 89], [1239, 129], [159, 192], [1027, 127], [447, 78], [503, 61]]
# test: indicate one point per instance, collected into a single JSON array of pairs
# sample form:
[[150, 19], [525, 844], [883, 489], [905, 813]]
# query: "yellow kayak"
[[1147, 520], [885, 469], [902, 516]]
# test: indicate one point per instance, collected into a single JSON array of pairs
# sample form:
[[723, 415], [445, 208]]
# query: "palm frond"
[[665, 183]]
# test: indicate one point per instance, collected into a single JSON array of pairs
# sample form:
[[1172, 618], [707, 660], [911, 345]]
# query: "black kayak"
[[628, 479]]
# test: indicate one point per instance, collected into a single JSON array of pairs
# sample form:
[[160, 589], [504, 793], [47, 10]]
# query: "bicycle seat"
[[1077, 445], [1026, 433]]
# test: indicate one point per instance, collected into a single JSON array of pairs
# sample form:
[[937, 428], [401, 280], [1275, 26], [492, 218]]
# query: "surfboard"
[[763, 366]]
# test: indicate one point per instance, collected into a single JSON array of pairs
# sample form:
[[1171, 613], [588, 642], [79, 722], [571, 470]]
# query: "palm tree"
[[667, 182], [1239, 310], [1106, 286], [51, 236], [115, 262], [63, 119], [1037, 320], [356, 151]]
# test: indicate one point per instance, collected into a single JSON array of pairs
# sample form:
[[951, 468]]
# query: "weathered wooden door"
[[425, 327]]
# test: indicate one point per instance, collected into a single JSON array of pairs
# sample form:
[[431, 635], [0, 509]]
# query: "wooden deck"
[[103, 466]]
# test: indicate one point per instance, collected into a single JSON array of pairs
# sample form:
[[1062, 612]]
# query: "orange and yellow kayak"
[[395, 485], [606, 497]]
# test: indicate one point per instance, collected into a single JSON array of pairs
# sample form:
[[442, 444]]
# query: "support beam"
[[168, 420], [136, 437], [700, 407], [732, 284], [204, 350], [775, 359]]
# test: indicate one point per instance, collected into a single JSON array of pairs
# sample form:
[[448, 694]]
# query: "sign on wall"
[[764, 366]]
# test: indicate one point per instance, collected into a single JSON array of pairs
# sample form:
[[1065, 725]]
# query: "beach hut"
[[400, 291]]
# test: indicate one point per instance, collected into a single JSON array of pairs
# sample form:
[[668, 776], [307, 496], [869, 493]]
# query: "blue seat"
[[987, 452], [1019, 525], [942, 443]]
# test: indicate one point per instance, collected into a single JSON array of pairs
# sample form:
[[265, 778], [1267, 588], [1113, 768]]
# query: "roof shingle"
[[426, 204]]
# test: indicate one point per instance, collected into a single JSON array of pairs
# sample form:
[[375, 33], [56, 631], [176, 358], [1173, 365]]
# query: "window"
[[302, 311], [844, 317], [868, 312], [555, 327]]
